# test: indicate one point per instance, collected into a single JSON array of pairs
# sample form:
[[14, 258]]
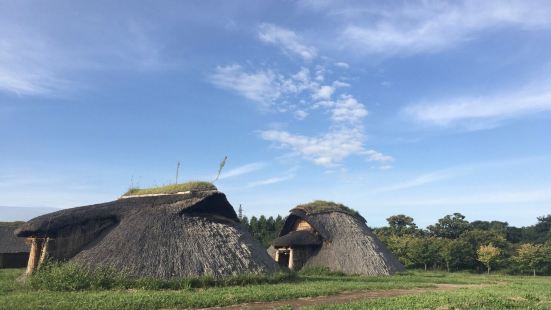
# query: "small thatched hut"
[[14, 252], [183, 234], [326, 234]]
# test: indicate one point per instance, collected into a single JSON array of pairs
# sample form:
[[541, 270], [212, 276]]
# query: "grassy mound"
[[322, 206], [172, 189]]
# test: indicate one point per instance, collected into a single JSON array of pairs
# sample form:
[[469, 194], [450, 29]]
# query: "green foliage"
[[401, 225], [450, 226], [488, 255], [172, 189], [73, 277], [264, 229], [319, 206], [533, 257], [455, 253], [501, 292], [320, 271], [454, 242]]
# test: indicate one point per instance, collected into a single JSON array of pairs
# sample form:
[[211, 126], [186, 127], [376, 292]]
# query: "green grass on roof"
[[172, 189], [320, 206]]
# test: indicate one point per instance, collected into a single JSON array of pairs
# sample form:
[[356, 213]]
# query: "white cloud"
[[417, 181], [270, 181], [481, 110], [241, 170], [38, 61], [377, 156], [499, 198], [342, 65], [348, 109], [260, 86], [338, 83], [433, 26], [300, 114], [327, 150], [287, 40], [323, 93]]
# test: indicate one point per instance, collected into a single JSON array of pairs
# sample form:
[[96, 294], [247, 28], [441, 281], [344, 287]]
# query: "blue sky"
[[422, 108]]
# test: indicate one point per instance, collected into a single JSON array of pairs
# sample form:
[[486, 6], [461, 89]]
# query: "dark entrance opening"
[[283, 258]]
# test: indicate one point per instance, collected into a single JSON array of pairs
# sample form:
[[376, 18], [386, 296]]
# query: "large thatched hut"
[[327, 234], [14, 252], [153, 234]]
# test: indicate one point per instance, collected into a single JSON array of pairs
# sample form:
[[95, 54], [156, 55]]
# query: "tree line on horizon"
[[451, 244]]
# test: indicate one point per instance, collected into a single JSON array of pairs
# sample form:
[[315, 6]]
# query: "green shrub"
[[320, 271], [72, 277]]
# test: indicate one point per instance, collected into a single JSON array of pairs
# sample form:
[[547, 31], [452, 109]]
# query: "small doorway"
[[283, 258]]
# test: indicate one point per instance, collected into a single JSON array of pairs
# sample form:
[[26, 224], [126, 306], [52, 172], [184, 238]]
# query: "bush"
[[72, 277], [320, 271]]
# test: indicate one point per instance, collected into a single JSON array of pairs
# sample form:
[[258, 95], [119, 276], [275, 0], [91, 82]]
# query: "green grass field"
[[502, 292]]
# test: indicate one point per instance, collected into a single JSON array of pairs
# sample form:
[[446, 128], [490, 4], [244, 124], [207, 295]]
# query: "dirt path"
[[345, 297]]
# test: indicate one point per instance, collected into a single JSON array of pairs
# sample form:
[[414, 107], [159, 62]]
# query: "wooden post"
[[291, 258], [34, 255], [44, 253]]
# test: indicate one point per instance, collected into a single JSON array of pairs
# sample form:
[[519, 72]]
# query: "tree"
[[455, 252], [531, 256], [450, 226], [401, 225], [423, 251], [399, 247], [543, 229], [240, 212], [488, 255]]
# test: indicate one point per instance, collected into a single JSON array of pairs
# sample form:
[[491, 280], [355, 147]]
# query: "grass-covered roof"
[[172, 189], [322, 206]]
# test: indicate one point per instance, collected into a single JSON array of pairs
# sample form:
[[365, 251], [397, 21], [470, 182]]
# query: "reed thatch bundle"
[[176, 235], [348, 245]]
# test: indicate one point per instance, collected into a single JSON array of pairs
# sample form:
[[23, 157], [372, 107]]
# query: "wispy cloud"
[[311, 89], [496, 198], [242, 170], [430, 26], [287, 40], [260, 86], [269, 181], [42, 61], [477, 111], [326, 150], [417, 181]]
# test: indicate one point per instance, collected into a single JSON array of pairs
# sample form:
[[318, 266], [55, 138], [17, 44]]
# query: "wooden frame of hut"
[[163, 236], [14, 252], [327, 234]]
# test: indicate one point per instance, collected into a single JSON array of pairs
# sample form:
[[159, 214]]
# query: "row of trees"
[[262, 228], [453, 243]]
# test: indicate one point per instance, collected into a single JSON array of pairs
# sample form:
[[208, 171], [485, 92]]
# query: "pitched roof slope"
[[182, 235], [9, 243], [348, 245]]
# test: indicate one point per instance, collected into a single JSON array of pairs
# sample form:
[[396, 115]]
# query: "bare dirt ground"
[[345, 297]]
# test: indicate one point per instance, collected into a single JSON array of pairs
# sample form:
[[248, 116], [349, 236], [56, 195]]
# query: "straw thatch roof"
[[9, 243], [297, 238], [348, 245], [176, 235]]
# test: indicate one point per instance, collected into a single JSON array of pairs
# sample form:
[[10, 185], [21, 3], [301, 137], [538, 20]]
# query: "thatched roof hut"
[[190, 233], [328, 234], [14, 252]]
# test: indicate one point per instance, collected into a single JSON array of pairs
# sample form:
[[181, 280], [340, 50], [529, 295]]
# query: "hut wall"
[[70, 240], [301, 254], [14, 260], [352, 248]]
